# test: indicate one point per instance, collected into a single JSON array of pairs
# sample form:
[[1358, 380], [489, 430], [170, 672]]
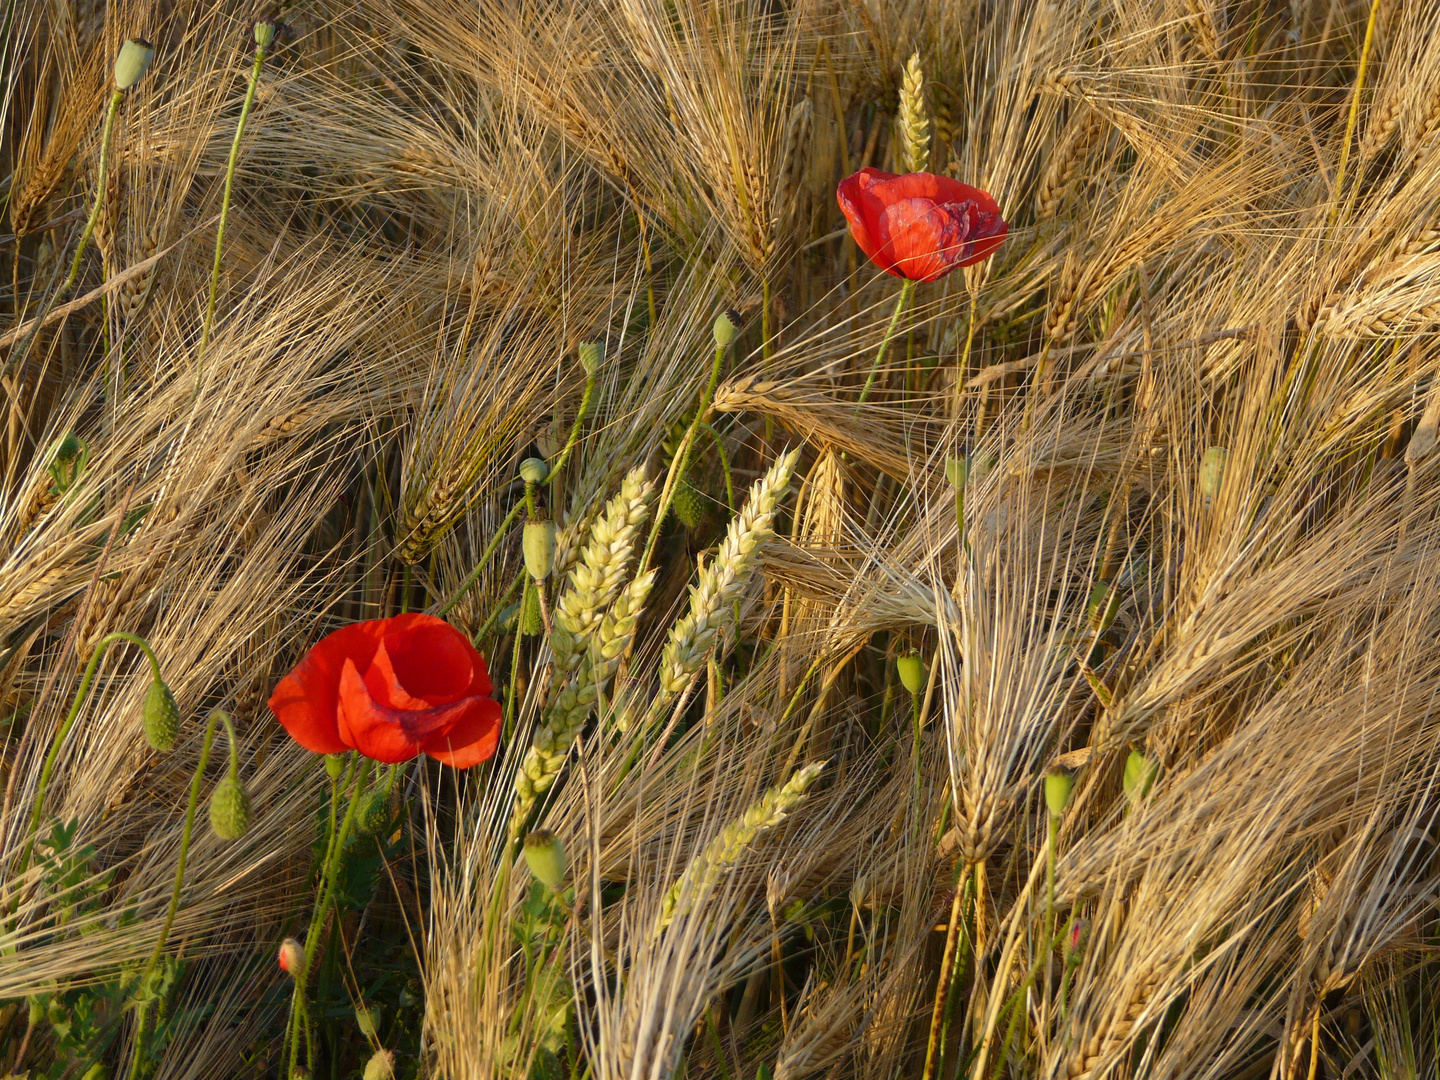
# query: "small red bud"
[[291, 957]]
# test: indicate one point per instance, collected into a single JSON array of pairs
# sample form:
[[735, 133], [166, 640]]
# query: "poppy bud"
[[264, 33], [532, 623], [1212, 471], [533, 470], [334, 765], [1079, 935], [537, 543], [688, 504], [291, 957], [545, 856], [912, 672], [132, 62], [726, 327], [1140, 773], [957, 470], [381, 1066], [299, 1073], [591, 353], [372, 812], [1057, 792], [230, 809], [160, 717]]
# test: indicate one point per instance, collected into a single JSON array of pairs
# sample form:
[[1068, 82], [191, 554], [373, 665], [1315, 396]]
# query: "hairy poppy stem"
[[484, 561], [900, 304], [681, 461], [225, 210], [18, 356], [64, 730], [143, 1005], [317, 924]]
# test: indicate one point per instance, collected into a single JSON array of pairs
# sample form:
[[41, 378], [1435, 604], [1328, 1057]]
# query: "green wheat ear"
[[914, 121]]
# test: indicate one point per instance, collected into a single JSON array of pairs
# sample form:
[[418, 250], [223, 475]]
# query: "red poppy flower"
[[919, 226], [392, 689]]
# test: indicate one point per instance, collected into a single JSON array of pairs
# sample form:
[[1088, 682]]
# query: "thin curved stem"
[[69, 722], [474, 574], [225, 209], [216, 717], [17, 357], [724, 465], [100, 187], [900, 305], [574, 428], [317, 919], [681, 460]]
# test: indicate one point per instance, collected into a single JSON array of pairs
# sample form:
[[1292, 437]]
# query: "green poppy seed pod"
[[1057, 792], [334, 765], [726, 327], [230, 809], [381, 1066], [132, 62], [1212, 471], [1140, 773], [912, 672], [160, 717], [291, 957], [372, 812], [957, 471], [532, 622], [545, 856], [533, 470], [688, 504], [264, 33], [537, 543], [368, 1021], [591, 353]]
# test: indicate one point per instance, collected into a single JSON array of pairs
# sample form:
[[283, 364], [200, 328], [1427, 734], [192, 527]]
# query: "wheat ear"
[[725, 850], [914, 122]]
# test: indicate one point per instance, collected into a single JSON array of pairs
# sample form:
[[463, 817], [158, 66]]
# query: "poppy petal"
[[471, 739], [428, 659], [375, 730], [924, 241], [305, 700]]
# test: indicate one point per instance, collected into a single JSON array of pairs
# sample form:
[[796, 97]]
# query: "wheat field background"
[[1152, 492]]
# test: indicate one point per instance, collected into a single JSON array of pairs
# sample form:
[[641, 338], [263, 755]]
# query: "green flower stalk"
[[64, 730], [724, 330], [264, 37], [299, 1012], [235, 805]]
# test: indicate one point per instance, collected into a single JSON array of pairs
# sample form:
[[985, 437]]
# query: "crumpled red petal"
[[305, 700], [953, 224], [471, 739]]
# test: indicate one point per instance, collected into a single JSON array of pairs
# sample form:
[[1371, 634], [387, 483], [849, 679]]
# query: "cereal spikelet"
[[725, 850]]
